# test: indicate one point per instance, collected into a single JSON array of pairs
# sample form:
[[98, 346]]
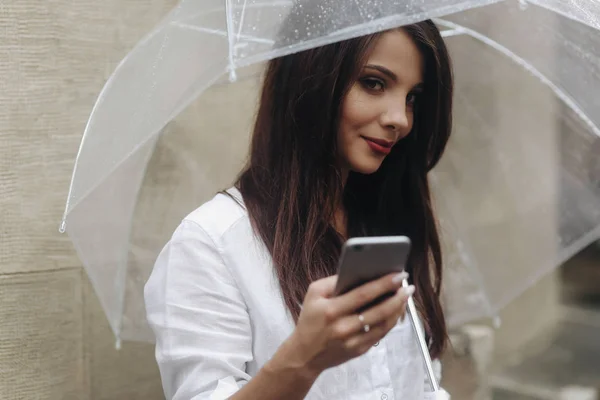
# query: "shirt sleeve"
[[199, 318]]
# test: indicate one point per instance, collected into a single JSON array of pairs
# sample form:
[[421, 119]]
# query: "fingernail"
[[410, 290], [400, 277]]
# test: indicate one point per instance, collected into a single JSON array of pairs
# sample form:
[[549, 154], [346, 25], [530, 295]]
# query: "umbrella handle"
[[412, 312]]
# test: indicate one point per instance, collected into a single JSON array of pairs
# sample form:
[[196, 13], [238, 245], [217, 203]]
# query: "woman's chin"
[[366, 167]]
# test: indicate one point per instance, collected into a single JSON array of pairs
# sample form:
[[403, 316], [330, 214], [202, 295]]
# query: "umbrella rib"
[[241, 23], [527, 66], [452, 32]]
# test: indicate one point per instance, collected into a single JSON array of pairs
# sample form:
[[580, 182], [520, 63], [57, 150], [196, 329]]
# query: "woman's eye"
[[373, 84]]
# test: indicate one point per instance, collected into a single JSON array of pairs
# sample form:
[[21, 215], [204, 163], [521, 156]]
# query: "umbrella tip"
[[63, 226], [232, 75], [118, 344]]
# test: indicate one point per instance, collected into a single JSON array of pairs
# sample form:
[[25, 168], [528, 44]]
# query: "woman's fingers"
[[385, 314], [362, 341], [392, 308], [364, 294], [329, 330], [322, 287]]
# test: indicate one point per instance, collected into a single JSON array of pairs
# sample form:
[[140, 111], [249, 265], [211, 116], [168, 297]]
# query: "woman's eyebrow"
[[383, 70]]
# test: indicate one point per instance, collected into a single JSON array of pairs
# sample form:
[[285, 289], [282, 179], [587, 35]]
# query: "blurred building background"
[[55, 342]]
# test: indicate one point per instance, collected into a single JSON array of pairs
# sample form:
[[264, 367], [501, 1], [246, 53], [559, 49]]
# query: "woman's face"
[[378, 110]]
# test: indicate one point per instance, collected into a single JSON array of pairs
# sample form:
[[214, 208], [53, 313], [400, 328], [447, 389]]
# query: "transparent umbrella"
[[517, 192]]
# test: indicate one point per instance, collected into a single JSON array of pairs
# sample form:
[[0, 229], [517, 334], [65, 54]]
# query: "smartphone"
[[364, 259]]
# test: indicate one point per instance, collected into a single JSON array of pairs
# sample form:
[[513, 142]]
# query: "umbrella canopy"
[[517, 190]]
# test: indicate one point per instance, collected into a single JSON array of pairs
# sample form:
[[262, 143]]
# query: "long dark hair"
[[291, 182]]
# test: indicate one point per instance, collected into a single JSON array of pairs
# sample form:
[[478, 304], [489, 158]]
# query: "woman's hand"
[[329, 331]]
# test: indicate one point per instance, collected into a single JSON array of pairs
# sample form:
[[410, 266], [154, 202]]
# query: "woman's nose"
[[396, 118]]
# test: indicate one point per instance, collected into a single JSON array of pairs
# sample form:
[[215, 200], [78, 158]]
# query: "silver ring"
[[366, 327]]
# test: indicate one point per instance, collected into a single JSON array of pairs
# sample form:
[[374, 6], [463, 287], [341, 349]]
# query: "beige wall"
[[54, 340]]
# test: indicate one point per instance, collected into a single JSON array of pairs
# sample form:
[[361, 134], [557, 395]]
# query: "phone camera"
[[359, 248]]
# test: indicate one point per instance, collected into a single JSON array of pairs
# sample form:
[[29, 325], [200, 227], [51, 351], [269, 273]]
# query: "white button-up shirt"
[[215, 306]]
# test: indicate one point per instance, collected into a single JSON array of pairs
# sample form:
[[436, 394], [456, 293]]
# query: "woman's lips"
[[379, 145]]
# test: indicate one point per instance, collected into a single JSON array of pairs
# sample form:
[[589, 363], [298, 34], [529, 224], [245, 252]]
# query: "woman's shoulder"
[[218, 215]]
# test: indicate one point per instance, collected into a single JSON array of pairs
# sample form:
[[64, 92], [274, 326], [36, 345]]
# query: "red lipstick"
[[379, 145]]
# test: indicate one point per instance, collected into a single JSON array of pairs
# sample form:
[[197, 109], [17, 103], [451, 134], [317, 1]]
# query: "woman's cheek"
[[357, 108]]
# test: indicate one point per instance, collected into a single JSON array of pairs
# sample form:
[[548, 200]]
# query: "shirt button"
[[384, 396], [376, 344]]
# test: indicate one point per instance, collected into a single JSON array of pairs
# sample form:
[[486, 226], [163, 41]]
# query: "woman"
[[240, 299]]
